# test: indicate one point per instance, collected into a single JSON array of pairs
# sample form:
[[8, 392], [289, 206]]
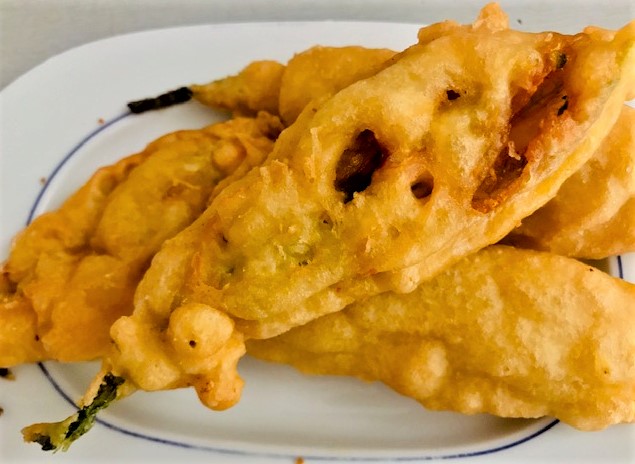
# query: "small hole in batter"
[[422, 187], [355, 168]]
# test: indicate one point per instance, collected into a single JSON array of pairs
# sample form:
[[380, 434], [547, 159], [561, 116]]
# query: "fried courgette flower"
[[593, 215], [377, 188], [510, 332], [72, 272]]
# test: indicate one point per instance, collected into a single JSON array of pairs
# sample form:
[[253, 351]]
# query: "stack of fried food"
[[379, 236]]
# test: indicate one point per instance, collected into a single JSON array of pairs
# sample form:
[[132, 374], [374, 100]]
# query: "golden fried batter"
[[19, 341], [588, 219], [254, 89], [323, 71], [41, 262], [593, 214], [285, 90], [515, 333], [379, 188], [316, 73], [73, 272]]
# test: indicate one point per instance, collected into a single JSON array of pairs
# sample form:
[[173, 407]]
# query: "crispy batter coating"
[[515, 333], [600, 225], [41, 262], [254, 89], [72, 272], [593, 214], [285, 90], [317, 73], [323, 71], [379, 188], [19, 341]]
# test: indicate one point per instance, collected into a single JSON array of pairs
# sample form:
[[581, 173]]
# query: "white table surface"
[[33, 30]]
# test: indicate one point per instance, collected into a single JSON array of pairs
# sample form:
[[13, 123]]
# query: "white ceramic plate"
[[67, 117]]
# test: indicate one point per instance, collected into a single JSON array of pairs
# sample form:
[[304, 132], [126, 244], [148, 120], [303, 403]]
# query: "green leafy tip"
[[60, 435]]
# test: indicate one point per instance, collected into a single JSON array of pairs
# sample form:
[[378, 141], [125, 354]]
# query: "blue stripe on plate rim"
[[239, 452]]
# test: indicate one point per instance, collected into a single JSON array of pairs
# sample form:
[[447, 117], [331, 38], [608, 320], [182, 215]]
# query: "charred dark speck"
[[45, 442], [357, 164], [564, 106], [452, 94], [6, 373], [561, 61], [192, 343]]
